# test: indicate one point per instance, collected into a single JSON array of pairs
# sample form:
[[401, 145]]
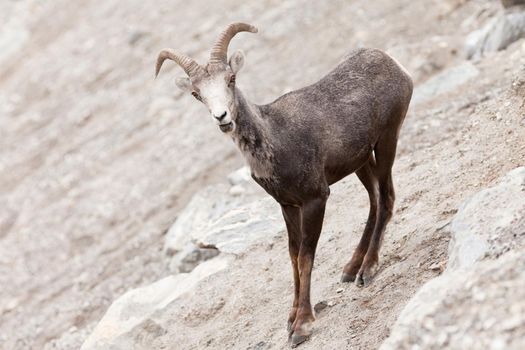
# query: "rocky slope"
[[98, 160], [479, 301]]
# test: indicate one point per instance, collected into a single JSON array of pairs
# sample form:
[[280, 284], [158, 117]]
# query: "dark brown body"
[[308, 139]]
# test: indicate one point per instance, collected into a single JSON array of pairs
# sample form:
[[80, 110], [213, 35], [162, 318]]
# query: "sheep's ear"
[[236, 61], [184, 84]]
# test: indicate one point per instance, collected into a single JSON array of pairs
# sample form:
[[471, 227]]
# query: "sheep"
[[308, 139]]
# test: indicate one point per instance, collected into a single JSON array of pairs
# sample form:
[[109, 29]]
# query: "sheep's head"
[[213, 84]]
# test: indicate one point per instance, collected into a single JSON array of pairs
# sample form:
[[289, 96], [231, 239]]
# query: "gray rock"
[[242, 227], [240, 176], [498, 33], [490, 222], [480, 308], [230, 223], [190, 257], [444, 82], [479, 301], [207, 205], [134, 312], [237, 190]]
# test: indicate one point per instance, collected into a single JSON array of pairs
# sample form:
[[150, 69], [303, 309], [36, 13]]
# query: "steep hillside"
[[98, 160]]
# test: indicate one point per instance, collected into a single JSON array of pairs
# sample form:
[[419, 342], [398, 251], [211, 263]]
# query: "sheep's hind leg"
[[369, 180], [385, 152]]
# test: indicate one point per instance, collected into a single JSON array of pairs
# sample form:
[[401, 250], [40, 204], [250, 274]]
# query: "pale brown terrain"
[[97, 159]]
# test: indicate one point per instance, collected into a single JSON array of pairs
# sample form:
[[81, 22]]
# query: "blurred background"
[[98, 160]]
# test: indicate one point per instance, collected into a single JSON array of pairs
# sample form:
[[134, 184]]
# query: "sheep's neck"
[[251, 136]]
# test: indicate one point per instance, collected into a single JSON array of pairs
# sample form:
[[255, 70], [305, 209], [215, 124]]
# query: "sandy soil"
[[447, 153], [96, 159]]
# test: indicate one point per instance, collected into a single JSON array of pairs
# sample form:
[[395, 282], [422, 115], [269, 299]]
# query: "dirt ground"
[[435, 171], [97, 158]]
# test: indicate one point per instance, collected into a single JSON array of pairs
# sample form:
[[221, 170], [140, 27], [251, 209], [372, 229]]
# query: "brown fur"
[[306, 140]]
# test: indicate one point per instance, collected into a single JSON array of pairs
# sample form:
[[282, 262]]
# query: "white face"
[[217, 92]]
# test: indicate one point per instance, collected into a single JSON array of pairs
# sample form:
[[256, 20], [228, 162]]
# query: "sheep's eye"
[[196, 95], [232, 80]]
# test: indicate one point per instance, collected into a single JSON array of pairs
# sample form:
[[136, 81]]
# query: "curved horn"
[[188, 64], [219, 51]]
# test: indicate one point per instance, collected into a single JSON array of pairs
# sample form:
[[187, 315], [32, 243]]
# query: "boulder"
[[190, 257], [444, 82], [215, 219], [242, 227], [229, 217], [489, 223], [497, 34], [480, 308], [206, 206], [135, 310], [240, 176], [479, 300]]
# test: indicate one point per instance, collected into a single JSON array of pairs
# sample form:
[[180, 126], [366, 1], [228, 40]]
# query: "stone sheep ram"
[[308, 139]]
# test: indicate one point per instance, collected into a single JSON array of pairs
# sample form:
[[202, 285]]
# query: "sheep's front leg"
[[311, 225], [292, 218]]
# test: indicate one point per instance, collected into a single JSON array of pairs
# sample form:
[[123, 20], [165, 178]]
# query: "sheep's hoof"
[[365, 275], [351, 269], [297, 339], [362, 281], [347, 277], [291, 321], [301, 331]]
